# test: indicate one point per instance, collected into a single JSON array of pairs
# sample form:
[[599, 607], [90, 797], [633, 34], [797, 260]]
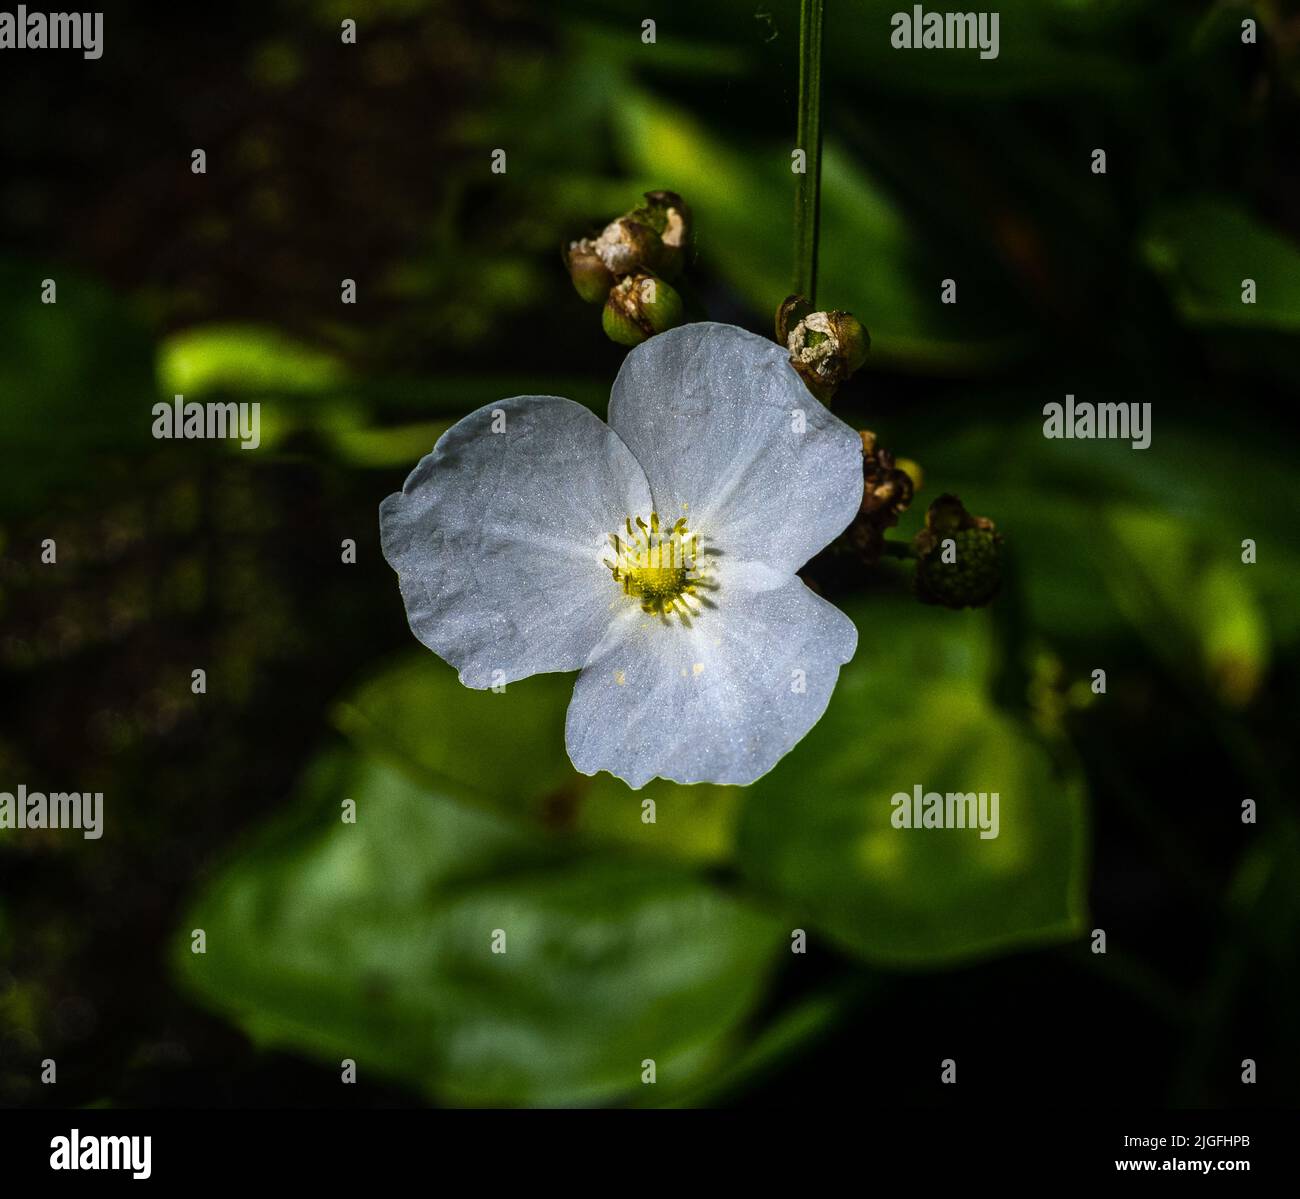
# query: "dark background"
[[371, 162]]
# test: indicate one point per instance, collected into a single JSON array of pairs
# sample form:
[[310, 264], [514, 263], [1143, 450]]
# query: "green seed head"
[[959, 568]]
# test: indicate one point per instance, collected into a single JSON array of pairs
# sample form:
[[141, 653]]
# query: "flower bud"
[[638, 307], [825, 347], [651, 240], [973, 574], [886, 494], [853, 339], [886, 490], [666, 213], [792, 310], [627, 245], [590, 275]]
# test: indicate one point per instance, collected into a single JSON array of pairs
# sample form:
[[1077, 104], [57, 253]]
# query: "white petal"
[[730, 437], [498, 538], [721, 701]]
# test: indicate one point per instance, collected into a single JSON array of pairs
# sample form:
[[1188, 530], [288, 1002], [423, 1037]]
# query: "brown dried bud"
[[887, 491], [666, 213], [626, 245], [825, 347], [792, 310], [886, 494]]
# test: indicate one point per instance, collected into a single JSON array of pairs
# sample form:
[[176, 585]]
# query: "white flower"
[[656, 554]]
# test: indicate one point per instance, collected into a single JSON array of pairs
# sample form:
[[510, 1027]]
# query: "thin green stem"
[[808, 138]]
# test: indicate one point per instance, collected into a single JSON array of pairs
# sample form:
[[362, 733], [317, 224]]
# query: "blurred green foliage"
[[1206, 247], [741, 195], [912, 708], [670, 940], [371, 942], [1107, 532]]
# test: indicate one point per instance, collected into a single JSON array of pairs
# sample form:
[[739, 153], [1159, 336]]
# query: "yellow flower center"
[[658, 566]]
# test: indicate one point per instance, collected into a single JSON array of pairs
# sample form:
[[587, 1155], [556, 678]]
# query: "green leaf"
[[243, 358], [504, 750], [385, 446], [302, 388], [1205, 247], [1060, 504], [373, 941], [786, 1034], [817, 830], [694, 823], [417, 716], [873, 261], [1193, 604]]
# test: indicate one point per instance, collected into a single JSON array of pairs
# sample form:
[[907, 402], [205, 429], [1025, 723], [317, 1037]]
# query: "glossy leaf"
[[373, 941], [817, 833]]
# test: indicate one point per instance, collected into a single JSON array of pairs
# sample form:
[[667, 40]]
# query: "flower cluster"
[[630, 265]]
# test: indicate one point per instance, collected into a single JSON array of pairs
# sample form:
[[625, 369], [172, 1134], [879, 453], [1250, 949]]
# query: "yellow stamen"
[[661, 568]]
